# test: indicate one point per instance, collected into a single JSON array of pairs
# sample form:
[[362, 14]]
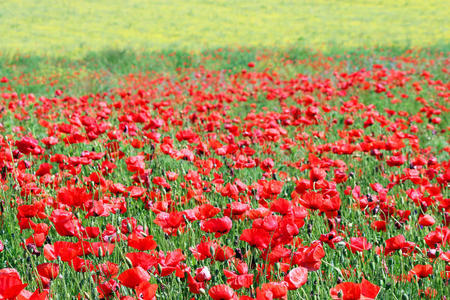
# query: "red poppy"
[[10, 283], [272, 290], [223, 253], [161, 181], [202, 212], [240, 279], [331, 239], [76, 197], [170, 222], [28, 145], [355, 291], [422, 271], [108, 269], [281, 205], [346, 291], [44, 169], [146, 291], [65, 223], [394, 243], [396, 160], [81, 265], [426, 220], [48, 270], [311, 200], [310, 257], [379, 225], [222, 292], [108, 288], [440, 236], [135, 163], [141, 243], [317, 174], [259, 238], [236, 210], [358, 244], [133, 277], [171, 176], [170, 263], [142, 259], [202, 274], [195, 286], [296, 278], [220, 226], [445, 256], [369, 290]]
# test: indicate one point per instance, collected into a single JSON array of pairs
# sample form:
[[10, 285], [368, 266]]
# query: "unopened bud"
[[100, 252], [129, 227], [340, 244], [128, 262]]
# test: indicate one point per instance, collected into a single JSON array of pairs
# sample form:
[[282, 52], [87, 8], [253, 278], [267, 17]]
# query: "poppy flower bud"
[[341, 244], [159, 269], [446, 220], [185, 219], [129, 227], [277, 267], [94, 293], [128, 262]]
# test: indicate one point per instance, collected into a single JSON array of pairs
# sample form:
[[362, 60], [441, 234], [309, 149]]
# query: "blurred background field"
[[74, 28], [62, 38]]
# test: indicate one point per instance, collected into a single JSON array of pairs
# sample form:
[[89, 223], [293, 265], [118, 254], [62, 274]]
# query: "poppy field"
[[235, 174], [224, 150]]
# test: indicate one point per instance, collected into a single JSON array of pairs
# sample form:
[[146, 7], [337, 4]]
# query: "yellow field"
[[76, 27]]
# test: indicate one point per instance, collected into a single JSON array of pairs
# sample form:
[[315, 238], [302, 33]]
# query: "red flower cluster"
[[249, 184]]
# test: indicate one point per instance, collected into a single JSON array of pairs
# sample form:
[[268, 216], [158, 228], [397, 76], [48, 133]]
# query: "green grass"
[[73, 28], [81, 75]]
